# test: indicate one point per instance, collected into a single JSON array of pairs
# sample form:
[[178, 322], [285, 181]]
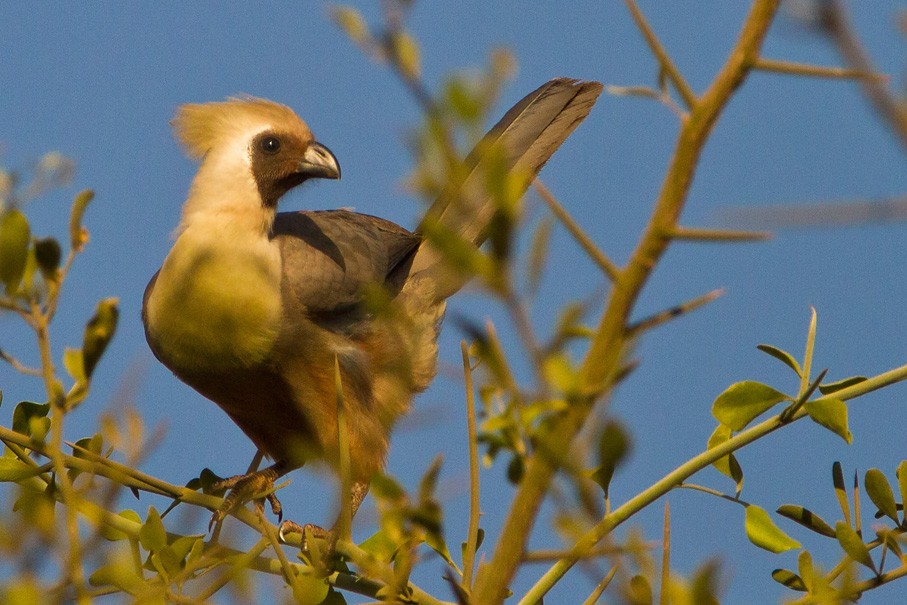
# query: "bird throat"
[[216, 303]]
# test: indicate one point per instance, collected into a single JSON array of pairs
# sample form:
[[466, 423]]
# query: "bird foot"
[[309, 529], [257, 486]]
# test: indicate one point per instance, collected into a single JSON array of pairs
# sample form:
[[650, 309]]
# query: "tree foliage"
[[66, 501]]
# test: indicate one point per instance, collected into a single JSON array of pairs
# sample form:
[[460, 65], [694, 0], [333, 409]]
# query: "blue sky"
[[99, 82]]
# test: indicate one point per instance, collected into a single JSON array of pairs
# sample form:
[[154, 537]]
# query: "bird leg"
[[245, 487], [357, 495]]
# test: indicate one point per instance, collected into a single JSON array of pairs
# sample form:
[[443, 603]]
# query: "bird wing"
[[329, 256], [528, 135]]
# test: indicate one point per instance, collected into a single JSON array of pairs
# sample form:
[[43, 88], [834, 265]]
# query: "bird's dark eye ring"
[[270, 145]]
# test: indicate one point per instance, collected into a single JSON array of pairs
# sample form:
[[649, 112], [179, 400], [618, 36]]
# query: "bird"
[[257, 309]]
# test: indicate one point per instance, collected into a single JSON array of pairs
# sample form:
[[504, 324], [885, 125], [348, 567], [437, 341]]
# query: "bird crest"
[[201, 127]]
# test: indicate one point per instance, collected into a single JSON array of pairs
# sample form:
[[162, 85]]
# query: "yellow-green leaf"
[[737, 406], [74, 363], [13, 469], [837, 477], [406, 53], [560, 373], [98, 332], [352, 23], [15, 237], [153, 536], [24, 412], [881, 494], [109, 532], [613, 447], [832, 414], [48, 255], [728, 464], [763, 532], [789, 579], [640, 591], [853, 544], [78, 235], [783, 356], [807, 519], [309, 589], [831, 387], [902, 485], [120, 573]]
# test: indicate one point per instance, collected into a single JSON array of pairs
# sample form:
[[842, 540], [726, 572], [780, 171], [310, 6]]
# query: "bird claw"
[[309, 529], [244, 488]]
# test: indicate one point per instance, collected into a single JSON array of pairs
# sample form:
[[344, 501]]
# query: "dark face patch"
[[276, 161]]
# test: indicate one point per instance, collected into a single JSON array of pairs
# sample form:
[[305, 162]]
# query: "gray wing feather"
[[329, 256]]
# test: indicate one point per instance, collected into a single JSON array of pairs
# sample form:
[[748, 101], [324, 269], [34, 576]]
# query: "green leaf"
[[613, 446], [640, 591], [119, 573], [380, 545], [763, 532], [880, 493], [387, 488], [113, 534], [785, 357], [98, 332], [837, 477], [561, 373], [334, 598], [737, 406], [153, 536], [831, 387], [74, 363], [406, 54], [538, 253], [810, 346], [830, 413], [24, 412], [48, 255], [807, 519], [704, 584], [515, 469], [15, 237], [853, 544], [13, 469], [805, 567], [728, 464], [352, 23], [78, 235], [902, 486], [310, 589], [789, 579]]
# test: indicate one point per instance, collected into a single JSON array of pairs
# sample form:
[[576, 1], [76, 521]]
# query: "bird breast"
[[216, 303]]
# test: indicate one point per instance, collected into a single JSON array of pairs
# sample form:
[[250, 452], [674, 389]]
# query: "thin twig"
[[592, 599], [816, 71], [600, 258], [18, 366], [701, 234], [472, 531], [664, 60], [837, 23], [662, 317], [664, 594]]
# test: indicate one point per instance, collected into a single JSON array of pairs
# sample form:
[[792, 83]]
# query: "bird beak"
[[319, 163]]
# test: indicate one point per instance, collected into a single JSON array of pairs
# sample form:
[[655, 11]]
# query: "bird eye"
[[270, 145]]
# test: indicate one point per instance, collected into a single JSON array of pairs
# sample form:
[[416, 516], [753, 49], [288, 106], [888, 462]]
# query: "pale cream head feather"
[[205, 126]]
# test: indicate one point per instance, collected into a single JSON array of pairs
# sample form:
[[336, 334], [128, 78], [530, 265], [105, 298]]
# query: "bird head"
[[252, 150]]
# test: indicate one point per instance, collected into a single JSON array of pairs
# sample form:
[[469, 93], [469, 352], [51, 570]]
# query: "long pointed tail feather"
[[528, 135]]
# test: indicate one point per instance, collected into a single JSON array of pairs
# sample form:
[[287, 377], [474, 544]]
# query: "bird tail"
[[519, 144]]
